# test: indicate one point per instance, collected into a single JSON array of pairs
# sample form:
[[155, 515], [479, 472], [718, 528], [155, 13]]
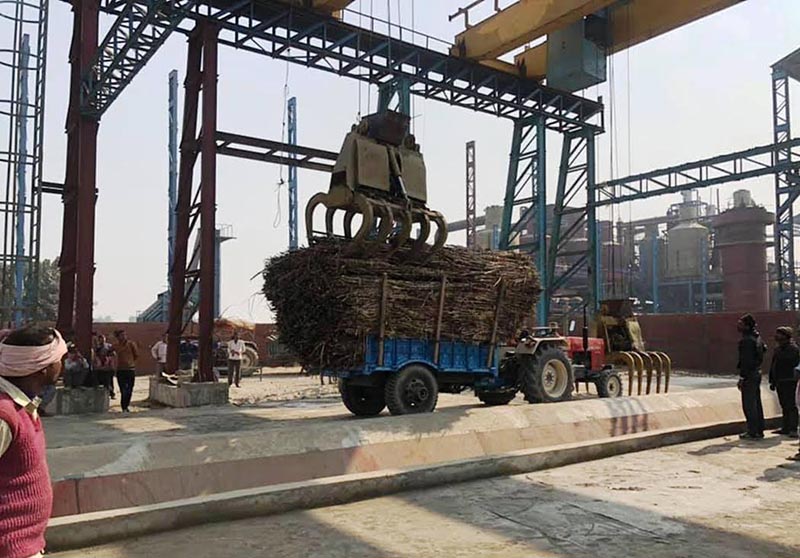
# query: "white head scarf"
[[17, 361]]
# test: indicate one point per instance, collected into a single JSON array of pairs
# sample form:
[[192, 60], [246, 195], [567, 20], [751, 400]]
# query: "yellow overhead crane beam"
[[631, 24], [521, 23]]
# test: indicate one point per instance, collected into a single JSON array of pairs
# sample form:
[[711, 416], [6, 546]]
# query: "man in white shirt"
[[159, 352], [235, 353]]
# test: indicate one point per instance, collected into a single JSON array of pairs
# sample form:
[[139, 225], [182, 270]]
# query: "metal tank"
[[741, 240], [685, 244]]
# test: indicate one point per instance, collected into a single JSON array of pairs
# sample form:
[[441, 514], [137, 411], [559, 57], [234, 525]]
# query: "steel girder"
[[269, 151], [272, 28], [731, 167], [786, 192]]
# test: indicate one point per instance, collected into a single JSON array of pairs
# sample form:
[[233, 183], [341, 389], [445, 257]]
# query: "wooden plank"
[[501, 291], [439, 315], [521, 23], [634, 23], [382, 318]]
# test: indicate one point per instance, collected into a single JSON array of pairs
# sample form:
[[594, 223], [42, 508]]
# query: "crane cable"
[[281, 182]]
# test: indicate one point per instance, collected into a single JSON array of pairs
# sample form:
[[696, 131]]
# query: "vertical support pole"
[[595, 269], [540, 199], [399, 88], [188, 157], [86, 187], [704, 275], [655, 265], [22, 162], [291, 116], [495, 237], [208, 207], [785, 194], [471, 192], [173, 171]]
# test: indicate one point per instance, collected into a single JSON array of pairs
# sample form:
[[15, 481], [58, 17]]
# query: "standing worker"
[[159, 352], [126, 353], [751, 355], [30, 360], [235, 352], [781, 378]]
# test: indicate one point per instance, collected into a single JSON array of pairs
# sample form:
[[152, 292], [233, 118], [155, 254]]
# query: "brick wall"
[[708, 342]]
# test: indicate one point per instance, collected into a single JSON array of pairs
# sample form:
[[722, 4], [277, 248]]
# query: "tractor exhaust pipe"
[[585, 332]]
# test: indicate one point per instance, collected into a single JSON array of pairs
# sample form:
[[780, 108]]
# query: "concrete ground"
[[277, 398], [717, 498]]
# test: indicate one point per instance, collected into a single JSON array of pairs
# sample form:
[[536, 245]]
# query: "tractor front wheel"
[[547, 376], [609, 385], [496, 398]]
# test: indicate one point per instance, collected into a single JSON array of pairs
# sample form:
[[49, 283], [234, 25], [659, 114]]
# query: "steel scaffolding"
[[291, 117], [471, 192], [23, 50]]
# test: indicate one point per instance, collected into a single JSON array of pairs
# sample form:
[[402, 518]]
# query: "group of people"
[[783, 376]]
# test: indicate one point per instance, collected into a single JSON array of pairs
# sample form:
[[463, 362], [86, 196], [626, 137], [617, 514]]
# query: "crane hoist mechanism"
[[379, 175]]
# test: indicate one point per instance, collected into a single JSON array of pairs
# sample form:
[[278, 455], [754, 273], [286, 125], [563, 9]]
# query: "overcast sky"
[[695, 92]]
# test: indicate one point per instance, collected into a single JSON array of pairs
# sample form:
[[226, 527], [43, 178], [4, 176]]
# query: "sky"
[[698, 91]]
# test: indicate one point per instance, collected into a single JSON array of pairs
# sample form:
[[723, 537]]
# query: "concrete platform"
[[154, 467], [188, 394], [719, 498], [78, 401]]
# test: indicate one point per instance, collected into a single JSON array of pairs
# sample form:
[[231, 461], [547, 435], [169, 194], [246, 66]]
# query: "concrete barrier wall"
[[119, 475], [686, 338]]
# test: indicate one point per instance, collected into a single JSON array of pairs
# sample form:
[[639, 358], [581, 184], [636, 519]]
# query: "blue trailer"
[[406, 374]]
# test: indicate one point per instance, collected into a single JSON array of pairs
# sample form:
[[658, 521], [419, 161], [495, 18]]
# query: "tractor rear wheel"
[[609, 385], [412, 390], [495, 398], [362, 401], [547, 376]]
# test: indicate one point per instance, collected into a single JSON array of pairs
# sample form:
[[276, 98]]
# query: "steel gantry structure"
[[102, 69]]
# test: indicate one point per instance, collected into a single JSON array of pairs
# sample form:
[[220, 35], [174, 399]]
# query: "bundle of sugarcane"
[[327, 298]]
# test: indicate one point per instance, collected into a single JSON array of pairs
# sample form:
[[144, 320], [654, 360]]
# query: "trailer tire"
[[362, 401], [249, 359], [413, 389], [496, 398], [609, 385], [547, 376]]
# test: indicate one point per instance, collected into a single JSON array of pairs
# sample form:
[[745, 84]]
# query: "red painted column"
[[183, 209], [77, 269], [208, 203]]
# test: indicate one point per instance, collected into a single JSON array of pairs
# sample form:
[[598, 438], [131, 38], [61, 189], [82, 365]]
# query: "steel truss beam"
[[471, 191], [269, 151], [291, 117], [571, 219], [271, 28], [786, 192], [731, 167], [526, 190], [136, 34]]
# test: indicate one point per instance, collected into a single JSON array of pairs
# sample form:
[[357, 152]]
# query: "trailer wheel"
[[412, 390], [609, 385], [547, 376], [495, 398], [362, 401]]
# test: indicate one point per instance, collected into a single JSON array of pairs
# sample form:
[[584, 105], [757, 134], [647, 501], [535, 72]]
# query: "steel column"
[[22, 154], [594, 273], [173, 170], [785, 194], [291, 117], [208, 190], [655, 268], [183, 207], [471, 191]]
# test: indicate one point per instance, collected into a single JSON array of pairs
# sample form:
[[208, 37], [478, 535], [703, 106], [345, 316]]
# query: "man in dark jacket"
[[781, 378], [751, 355]]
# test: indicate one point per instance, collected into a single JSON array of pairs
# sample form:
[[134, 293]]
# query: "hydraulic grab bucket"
[[378, 189]]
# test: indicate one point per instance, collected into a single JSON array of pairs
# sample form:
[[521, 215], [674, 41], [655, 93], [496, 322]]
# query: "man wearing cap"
[[781, 378], [751, 355], [30, 361]]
